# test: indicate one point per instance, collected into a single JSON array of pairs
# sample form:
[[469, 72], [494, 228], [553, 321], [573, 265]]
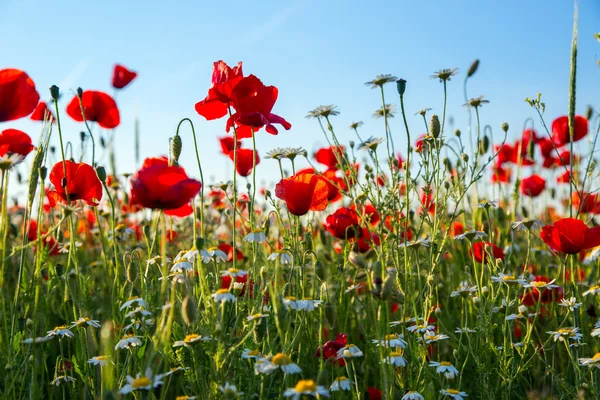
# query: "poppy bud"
[[199, 244], [176, 145], [132, 272], [473, 68], [101, 172], [79, 92], [43, 172], [589, 112], [267, 193], [457, 132], [248, 186], [447, 163], [352, 144], [260, 329], [504, 126], [465, 157], [52, 149], [401, 86], [438, 312], [446, 185], [189, 310], [54, 92], [525, 212], [19, 177], [82, 136], [434, 126]]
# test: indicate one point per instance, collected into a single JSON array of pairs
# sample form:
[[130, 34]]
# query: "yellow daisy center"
[[222, 291], [211, 249], [140, 382], [392, 336], [256, 316], [452, 391], [508, 278], [445, 364], [102, 358], [292, 298], [281, 359], [191, 337], [539, 284], [395, 354], [341, 379], [253, 353], [306, 386], [596, 356], [58, 328]]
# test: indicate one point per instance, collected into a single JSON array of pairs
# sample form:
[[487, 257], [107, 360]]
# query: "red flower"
[[367, 240], [228, 249], [224, 79], [368, 214], [547, 295], [533, 186], [570, 236], [331, 348], [457, 228], [227, 144], [122, 77], [343, 224], [180, 212], [160, 186], [48, 243], [41, 112], [18, 94], [329, 156], [546, 146], [81, 183], [303, 192], [253, 103], [480, 250], [565, 177], [586, 202], [171, 235], [244, 161], [560, 130], [98, 107], [374, 394], [501, 174], [13, 141], [427, 202]]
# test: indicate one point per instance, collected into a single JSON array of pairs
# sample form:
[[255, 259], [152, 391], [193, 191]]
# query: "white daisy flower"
[[349, 351], [508, 279], [565, 334], [395, 358], [247, 353], [234, 272], [431, 337], [527, 224], [306, 388], [571, 304], [230, 391], [471, 235], [464, 290], [291, 303], [36, 340], [175, 278], [9, 160], [416, 244], [256, 316], [412, 395], [596, 330], [62, 378], [487, 204], [86, 321], [592, 257], [590, 362], [284, 258], [223, 295], [139, 323], [406, 320], [391, 340], [594, 291], [446, 368], [278, 361], [191, 255], [61, 331], [133, 300], [455, 394], [182, 265], [256, 236], [341, 383], [420, 328], [141, 382], [190, 340], [213, 253], [128, 341], [138, 312], [100, 360], [540, 285]]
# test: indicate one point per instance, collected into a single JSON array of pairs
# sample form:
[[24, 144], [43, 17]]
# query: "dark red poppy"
[[243, 279], [253, 103], [546, 146], [122, 77], [48, 243], [374, 394], [330, 156], [334, 184], [42, 112], [367, 240], [457, 228], [532, 296], [343, 223], [13, 141], [160, 186], [81, 183], [18, 94], [331, 348], [420, 144], [570, 236], [228, 249], [244, 161], [533, 185], [227, 144], [171, 235], [560, 130], [98, 107], [303, 192], [224, 78], [480, 251]]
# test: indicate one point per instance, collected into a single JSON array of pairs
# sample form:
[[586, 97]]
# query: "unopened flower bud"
[[465, 157], [43, 172], [189, 310], [438, 312], [476, 301], [434, 126], [101, 172], [79, 92], [457, 132], [446, 185], [473, 68], [504, 126], [176, 145], [54, 92]]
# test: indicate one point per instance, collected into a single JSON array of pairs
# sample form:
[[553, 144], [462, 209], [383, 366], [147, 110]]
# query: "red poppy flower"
[[480, 251], [369, 213], [586, 202], [560, 130], [570, 236], [331, 348], [98, 107], [81, 183], [13, 141], [122, 76], [171, 235], [227, 144], [457, 228], [546, 146], [427, 202], [501, 174], [18, 94], [253, 103], [158, 185], [228, 249], [343, 224], [532, 296], [399, 224], [329, 156], [42, 112], [244, 161], [565, 177], [374, 394], [533, 185], [400, 161], [180, 212], [420, 143], [303, 192], [224, 78], [367, 240]]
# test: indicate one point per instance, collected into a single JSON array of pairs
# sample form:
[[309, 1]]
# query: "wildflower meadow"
[[460, 264]]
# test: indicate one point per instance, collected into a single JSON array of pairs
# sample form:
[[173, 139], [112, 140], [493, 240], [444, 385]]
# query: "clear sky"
[[315, 51]]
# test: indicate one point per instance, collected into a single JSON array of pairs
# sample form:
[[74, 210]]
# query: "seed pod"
[[504, 127], [79, 92], [447, 163], [189, 310], [401, 86], [473, 68], [54, 92], [101, 172], [447, 185], [434, 126]]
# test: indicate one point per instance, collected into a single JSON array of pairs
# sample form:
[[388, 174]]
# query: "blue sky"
[[316, 52]]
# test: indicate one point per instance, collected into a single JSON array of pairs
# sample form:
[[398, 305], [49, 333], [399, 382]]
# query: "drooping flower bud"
[[176, 146], [473, 68]]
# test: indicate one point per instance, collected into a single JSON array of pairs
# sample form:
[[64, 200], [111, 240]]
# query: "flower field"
[[464, 265]]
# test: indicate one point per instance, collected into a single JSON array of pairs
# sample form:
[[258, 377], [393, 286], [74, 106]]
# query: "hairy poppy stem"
[[572, 98]]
